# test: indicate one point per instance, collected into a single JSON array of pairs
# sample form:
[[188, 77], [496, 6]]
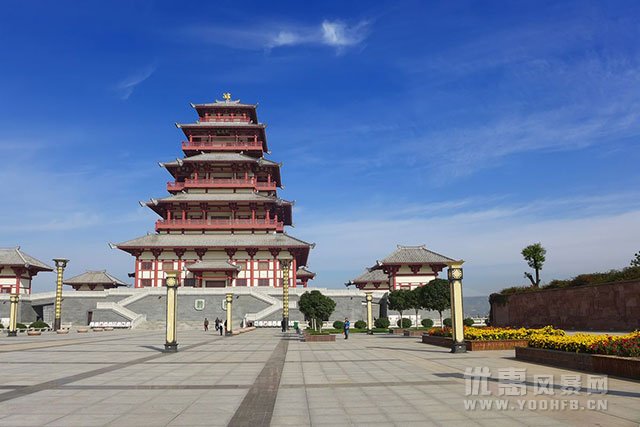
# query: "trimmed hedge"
[[468, 322], [427, 323], [404, 323], [360, 324], [447, 322], [338, 324], [39, 324], [382, 323]]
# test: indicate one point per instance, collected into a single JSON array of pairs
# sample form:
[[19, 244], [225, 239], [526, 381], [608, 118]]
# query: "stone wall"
[[604, 307]]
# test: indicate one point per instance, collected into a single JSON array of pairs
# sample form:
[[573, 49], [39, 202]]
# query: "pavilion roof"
[[212, 265], [304, 272], [219, 241], [215, 124], [231, 197], [221, 158], [371, 276], [414, 255], [14, 257], [224, 104], [94, 278]]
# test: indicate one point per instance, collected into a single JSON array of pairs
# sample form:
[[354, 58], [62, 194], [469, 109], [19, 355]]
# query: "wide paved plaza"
[[264, 377]]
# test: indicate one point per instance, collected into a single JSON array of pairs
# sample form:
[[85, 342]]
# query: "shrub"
[[21, 326], [1, 326], [382, 323], [447, 322], [39, 324], [404, 323], [427, 323], [338, 324], [360, 324], [468, 321]]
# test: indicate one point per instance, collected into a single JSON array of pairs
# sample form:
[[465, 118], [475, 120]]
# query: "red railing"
[[222, 183], [226, 118], [219, 224]]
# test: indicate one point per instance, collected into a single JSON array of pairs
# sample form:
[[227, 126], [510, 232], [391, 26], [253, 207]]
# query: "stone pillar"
[[171, 343], [61, 263], [229, 299], [13, 315], [285, 264], [457, 312], [369, 296]]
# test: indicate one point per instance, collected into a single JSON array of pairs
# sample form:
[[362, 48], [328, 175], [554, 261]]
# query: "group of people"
[[220, 325]]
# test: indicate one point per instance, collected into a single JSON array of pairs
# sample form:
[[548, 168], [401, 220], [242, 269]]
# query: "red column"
[[136, 279], [155, 273]]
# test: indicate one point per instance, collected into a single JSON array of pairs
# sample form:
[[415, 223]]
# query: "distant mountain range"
[[475, 306]]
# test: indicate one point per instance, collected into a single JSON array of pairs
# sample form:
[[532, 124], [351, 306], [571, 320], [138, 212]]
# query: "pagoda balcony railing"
[[230, 118], [222, 143], [219, 224], [222, 183]]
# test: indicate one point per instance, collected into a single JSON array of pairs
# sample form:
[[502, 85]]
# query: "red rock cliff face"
[[604, 307]]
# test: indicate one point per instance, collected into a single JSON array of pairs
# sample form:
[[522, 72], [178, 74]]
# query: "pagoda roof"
[[414, 255], [214, 265], [224, 104], [219, 241], [14, 257], [304, 272], [231, 197], [94, 278], [222, 158], [215, 124], [371, 276]]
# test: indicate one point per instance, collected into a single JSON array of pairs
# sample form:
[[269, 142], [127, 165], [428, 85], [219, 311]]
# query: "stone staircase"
[[276, 305], [116, 307]]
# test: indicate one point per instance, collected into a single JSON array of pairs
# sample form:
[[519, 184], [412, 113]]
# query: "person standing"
[[206, 324], [217, 323], [346, 327]]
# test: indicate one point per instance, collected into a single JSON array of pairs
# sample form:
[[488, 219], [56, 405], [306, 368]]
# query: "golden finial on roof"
[[226, 96]]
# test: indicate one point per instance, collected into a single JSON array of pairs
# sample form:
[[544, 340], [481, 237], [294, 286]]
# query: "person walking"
[[223, 327], [346, 327], [217, 323], [206, 324]]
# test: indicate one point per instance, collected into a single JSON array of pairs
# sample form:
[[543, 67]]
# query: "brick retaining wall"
[[604, 307]]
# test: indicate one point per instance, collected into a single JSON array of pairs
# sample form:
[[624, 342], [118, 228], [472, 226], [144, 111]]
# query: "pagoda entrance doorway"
[[215, 283]]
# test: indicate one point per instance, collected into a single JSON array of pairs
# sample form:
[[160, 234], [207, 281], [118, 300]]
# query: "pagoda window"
[[146, 265], [263, 282], [241, 282], [168, 266], [145, 282], [263, 266]]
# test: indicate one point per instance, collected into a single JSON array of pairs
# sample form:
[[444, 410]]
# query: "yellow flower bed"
[[485, 334], [622, 345]]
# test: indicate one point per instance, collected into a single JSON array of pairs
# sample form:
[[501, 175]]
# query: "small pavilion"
[[17, 269], [94, 281], [304, 275]]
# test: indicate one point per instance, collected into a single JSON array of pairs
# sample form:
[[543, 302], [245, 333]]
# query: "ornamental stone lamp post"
[[457, 312], [229, 300], [369, 297], [171, 344], [13, 315], [284, 265], [61, 264]]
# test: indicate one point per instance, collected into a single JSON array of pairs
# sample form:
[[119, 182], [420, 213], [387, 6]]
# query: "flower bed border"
[[318, 338], [626, 367], [397, 331], [413, 333], [476, 345]]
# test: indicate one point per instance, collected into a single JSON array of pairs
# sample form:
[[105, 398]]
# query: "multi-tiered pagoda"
[[222, 223]]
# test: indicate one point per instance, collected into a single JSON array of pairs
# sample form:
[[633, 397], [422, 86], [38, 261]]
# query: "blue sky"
[[475, 128]]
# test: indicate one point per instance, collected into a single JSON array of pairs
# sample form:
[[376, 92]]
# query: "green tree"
[[535, 256], [400, 300], [635, 262], [435, 296], [316, 308], [416, 301]]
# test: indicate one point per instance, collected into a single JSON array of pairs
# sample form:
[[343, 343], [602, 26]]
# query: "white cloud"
[[337, 34], [126, 86]]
